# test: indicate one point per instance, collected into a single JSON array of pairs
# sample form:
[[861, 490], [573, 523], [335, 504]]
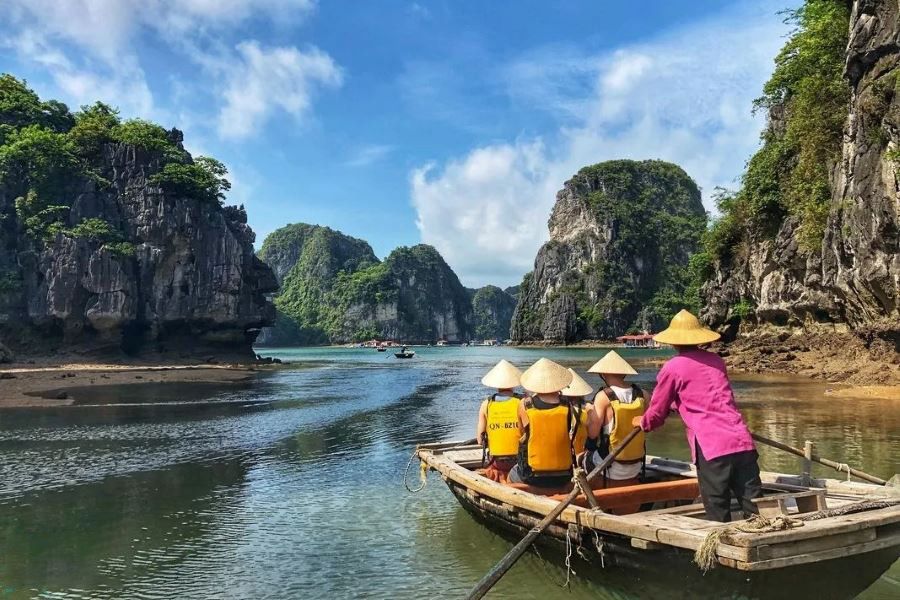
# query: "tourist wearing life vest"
[[549, 428], [498, 429], [617, 405], [695, 383]]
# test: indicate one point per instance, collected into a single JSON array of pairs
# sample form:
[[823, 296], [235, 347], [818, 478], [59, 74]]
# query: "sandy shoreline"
[[26, 385]]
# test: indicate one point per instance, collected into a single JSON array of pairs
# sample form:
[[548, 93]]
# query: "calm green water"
[[302, 498]]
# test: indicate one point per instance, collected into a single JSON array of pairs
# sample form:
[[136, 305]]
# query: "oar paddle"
[[494, 575], [822, 461]]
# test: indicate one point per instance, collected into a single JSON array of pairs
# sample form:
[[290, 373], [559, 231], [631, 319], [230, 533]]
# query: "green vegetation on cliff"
[[334, 289], [807, 100], [623, 259], [45, 149], [113, 238], [309, 260], [651, 202]]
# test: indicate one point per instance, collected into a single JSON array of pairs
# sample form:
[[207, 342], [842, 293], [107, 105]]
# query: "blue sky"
[[450, 123]]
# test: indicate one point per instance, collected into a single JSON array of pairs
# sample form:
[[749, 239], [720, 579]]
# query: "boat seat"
[[628, 496], [634, 495], [541, 491]]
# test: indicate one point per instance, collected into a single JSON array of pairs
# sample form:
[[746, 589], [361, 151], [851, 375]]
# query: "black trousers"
[[721, 478]]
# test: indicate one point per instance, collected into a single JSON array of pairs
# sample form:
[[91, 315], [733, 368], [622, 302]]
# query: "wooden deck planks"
[[821, 528], [880, 543], [841, 540]]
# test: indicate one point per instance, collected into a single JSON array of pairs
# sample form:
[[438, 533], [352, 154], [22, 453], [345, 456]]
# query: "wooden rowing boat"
[[671, 519]]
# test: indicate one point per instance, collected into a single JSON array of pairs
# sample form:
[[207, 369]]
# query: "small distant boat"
[[381, 349], [404, 354]]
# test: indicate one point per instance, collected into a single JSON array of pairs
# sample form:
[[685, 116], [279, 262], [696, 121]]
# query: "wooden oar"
[[822, 461], [494, 575]]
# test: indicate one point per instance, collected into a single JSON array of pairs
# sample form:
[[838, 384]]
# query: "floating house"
[[641, 340]]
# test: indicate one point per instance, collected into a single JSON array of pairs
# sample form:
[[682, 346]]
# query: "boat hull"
[[611, 561], [858, 535]]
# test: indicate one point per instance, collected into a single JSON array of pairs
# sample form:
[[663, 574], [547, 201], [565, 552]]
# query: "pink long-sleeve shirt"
[[695, 383]]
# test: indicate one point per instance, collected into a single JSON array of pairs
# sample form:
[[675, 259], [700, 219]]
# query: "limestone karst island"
[[331, 299]]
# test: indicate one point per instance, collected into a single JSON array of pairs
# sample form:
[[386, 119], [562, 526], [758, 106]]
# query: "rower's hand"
[[636, 422]]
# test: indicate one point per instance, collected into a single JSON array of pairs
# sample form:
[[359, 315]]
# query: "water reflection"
[[110, 536], [303, 498]]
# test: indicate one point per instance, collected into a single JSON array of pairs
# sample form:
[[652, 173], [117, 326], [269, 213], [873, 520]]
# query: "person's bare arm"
[[601, 407], [523, 416], [482, 423], [594, 422]]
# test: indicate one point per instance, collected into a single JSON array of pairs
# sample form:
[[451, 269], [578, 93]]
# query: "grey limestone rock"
[[854, 277], [191, 285]]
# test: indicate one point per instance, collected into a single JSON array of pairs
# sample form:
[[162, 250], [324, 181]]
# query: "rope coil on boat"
[[705, 556], [423, 475]]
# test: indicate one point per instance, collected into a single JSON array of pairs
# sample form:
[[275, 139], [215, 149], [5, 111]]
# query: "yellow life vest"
[[625, 413], [549, 445], [503, 431], [581, 432]]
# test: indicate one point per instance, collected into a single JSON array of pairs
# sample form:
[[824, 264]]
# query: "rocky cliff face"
[[492, 310], [306, 260], [124, 266], [621, 234], [335, 290], [853, 277], [413, 296]]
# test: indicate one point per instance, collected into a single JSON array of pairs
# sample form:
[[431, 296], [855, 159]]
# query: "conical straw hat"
[[545, 377], [578, 387], [686, 329], [504, 376], [612, 364]]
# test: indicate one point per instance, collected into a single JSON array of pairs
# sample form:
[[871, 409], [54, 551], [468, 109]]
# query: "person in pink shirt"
[[695, 384]]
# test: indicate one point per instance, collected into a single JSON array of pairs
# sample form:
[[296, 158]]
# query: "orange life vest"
[[549, 444]]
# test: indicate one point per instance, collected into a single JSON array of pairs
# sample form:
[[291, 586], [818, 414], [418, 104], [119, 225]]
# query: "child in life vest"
[[498, 429]]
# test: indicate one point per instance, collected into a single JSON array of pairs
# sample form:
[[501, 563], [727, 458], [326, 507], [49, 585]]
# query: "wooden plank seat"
[[541, 491], [626, 496]]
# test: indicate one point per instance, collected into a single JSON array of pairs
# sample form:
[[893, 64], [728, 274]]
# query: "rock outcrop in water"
[[492, 311], [335, 290], [846, 278], [114, 239], [621, 234]]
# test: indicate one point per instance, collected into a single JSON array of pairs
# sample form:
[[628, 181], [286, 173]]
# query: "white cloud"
[[106, 27], [369, 154], [493, 197], [264, 80], [88, 46], [685, 97]]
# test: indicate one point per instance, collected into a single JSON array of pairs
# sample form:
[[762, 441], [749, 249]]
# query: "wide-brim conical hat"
[[545, 377], [504, 376], [577, 387], [612, 364], [686, 329]]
